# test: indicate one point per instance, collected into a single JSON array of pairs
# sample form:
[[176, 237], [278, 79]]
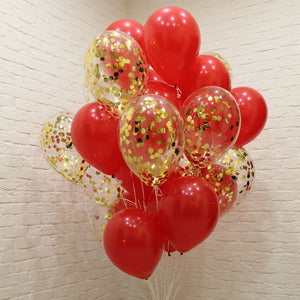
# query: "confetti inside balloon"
[[151, 138], [224, 185], [240, 167], [58, 149], [115, 69], [212, 123], [99, 221], [103, 189]]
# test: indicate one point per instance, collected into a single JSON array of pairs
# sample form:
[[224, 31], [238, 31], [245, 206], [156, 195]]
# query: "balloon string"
[[197, 172], [124, 202], [134, 193], [144, 200], [158, 192]]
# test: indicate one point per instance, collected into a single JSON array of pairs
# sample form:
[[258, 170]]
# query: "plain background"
[[48, 249]]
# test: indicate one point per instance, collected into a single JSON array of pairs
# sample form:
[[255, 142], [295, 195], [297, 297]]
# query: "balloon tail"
[[179, 92]]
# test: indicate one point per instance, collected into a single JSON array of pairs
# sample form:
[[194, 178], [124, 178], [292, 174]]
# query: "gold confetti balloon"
[[116, 70], [103, 189], [240, 166], [151, 138], [99, 222], [225, 185], [212, 123], [58, 149]]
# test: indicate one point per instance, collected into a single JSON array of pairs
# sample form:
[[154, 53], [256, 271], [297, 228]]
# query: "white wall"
[[47, 248], [254, 252]]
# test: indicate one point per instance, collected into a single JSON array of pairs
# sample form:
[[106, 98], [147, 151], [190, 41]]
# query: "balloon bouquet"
[[159, 145]]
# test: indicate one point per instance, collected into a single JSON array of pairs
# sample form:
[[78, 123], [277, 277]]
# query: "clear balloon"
[[212, 123], [99, 221], [101, 188], [223, 184], [240, 167], [151, 138], [58, 149], [116, 70]]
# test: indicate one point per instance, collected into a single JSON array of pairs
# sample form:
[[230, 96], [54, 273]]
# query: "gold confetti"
[[60, 152]]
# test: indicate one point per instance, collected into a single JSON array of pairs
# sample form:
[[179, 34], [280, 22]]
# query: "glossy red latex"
[[133, 242], [205, 70], [95, 136], [131, 27], [254, 113], [188, 212], [163, 89], [172, 40]]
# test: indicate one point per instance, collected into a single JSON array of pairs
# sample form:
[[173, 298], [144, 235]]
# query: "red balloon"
[[254, 113], [153, 76], [169, 248], [131, 27], [172, 40], [95, 136], [163, 89], [133, 242], [224, 184], [188, 212], [205, 70]]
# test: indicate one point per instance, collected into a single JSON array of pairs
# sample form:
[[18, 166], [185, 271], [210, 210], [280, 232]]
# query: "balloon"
[[205, 70], [58, 149], [172, 41], [133, 242], [99, 221], [212, 124], [151, 138], [222, 59], [131, 27], [101, 188], [169, 247], [153, 76], [116, 70], [224, 185], [95, 137], [165, 90], [188, 212], [254, 113], [240, 167]]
